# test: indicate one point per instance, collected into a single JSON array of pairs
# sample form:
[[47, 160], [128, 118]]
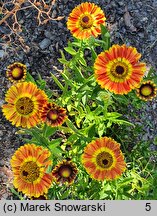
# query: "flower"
[[146, 90], [103, 159], [16, 72], [53, 114], [65, 172], [85, 19], [118, 69], [25, 101], [29, 164]]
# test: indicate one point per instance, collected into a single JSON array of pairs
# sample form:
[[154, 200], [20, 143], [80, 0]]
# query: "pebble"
[[1, 53], [60, 25], [44, 43], [154, 106], [48, 34], [54, 13]]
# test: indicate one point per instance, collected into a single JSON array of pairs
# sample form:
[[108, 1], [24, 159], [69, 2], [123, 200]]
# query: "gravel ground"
[[133, 22]]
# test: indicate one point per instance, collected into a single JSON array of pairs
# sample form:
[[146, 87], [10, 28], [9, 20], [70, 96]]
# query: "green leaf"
[[39, 138], [77, 44], [72, 138], [71, 126], [101, 129], [65, 129], [84, 99], [125, 182], [78, 74], [16, 193], [70, 50], [82, 61], [55, 143], [49, 131], [106, 37], [98, 110], [94, 54], [29, 78], [91, 131], [113, 115], [109, 124], [49, 169], [120, 121], [65, 195], [63, 61], [67, 80]]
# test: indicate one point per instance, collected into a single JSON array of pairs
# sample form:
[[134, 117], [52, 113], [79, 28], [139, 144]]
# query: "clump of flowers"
[[81, 122], [29, 164]]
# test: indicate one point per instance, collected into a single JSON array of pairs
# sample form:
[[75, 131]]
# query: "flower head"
[[65, 172], [85, 19], [16, 72], [118, 69], [29, 164], [103, 159], [53, 115], [25, 101], [146, 90]]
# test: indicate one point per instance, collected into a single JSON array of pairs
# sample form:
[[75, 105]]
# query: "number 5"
[[148, 207]]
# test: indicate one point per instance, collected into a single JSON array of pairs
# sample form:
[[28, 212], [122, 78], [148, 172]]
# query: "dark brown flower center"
[[30, 171], [104, 160], [85, 19], [24, 106], [119, 70]]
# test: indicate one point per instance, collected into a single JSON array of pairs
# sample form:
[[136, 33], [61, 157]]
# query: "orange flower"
[[25, 101], [146, 90], [29, 164], [85, 19], [16, 72], [65, 172], [53, 115], [103, 159], [118, 69]]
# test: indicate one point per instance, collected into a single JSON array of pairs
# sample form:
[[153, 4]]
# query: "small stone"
[[54, 14], [48, 34], [60, 25], [1, 102], [154, 106], [1, 53], [121, 3], [44, 43], [2, 162], [5, 196]]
